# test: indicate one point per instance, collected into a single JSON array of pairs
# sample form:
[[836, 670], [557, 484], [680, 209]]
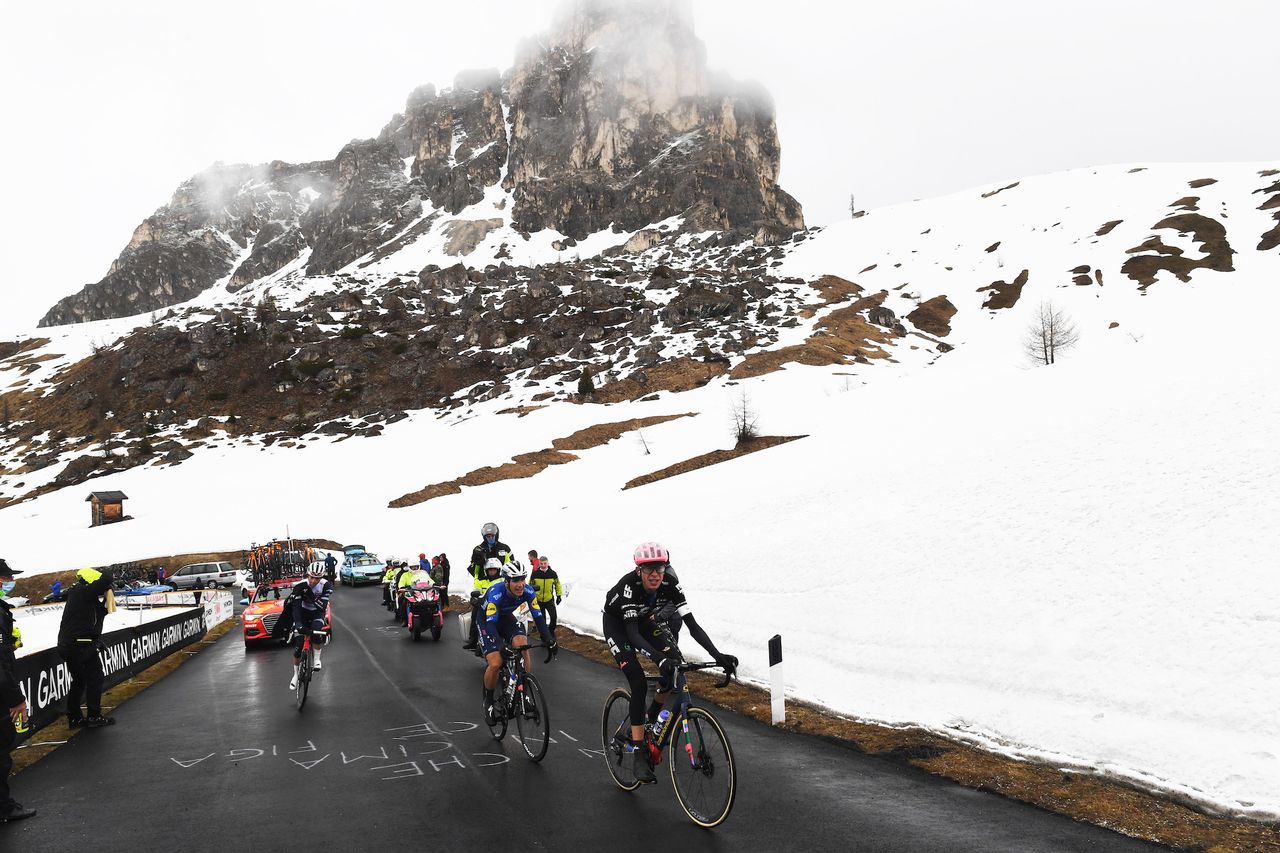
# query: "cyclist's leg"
[[615, 634], [514, 632], [491, 648], [301, 627], [317, 639], [663, 690]]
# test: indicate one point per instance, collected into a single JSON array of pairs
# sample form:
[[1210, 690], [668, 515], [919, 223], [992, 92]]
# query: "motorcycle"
[[424, 611]]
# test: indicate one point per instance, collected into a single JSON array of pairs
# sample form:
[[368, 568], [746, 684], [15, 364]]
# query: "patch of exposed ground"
[[1154, 255], [1271, 238], [715, 457], [49, 738], [842, 335], [1106, 227], [1003, 294], [934, 316], [833, 289], [1002, 189], [1201, 182], [1189, 203], [520, 411], [1077, 795], [8, 349], [528, 464], [681, 374]]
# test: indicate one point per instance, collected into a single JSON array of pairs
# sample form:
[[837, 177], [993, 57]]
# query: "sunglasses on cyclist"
[[653, 569]]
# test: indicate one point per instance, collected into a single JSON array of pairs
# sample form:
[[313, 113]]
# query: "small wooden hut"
[[106, 507]]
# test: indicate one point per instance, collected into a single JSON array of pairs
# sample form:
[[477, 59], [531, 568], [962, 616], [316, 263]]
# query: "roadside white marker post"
[[775, 674]]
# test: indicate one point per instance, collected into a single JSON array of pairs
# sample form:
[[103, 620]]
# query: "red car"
[[264, 608]]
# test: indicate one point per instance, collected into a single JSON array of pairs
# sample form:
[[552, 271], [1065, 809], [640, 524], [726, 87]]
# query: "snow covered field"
[[1074, 564]]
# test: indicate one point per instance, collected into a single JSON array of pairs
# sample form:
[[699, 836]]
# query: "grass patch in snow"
[[528, 464], [714, 457]]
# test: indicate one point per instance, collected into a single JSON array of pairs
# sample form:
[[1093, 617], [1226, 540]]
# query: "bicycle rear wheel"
[[304, 677], [532, 720], [702, 768], [615, 734]]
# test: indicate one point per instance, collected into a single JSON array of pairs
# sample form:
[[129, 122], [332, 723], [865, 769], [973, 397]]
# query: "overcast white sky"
[[108, 106]]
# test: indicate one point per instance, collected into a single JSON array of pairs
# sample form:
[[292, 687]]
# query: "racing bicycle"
[[306, 665], [518, 696], [703, 772]]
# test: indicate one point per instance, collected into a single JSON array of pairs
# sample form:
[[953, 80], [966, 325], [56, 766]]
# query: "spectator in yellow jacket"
[[546, 583]]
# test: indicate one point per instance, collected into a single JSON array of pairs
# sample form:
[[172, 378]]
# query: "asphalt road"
[[390, 753]]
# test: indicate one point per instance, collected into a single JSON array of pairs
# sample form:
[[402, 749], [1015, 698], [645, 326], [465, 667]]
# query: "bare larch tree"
[[1051, 332]]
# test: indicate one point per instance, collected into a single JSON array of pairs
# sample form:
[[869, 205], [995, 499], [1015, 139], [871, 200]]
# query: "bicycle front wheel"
[[304, 677], [615, 734], [532, 721], [702, 769]]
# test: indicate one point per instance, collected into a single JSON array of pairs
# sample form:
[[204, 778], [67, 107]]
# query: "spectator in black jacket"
[[13, 705], [79, 641]]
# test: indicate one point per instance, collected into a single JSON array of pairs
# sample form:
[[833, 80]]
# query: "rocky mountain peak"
[[610, 122]]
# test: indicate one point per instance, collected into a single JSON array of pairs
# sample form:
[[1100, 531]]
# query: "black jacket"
[[83, 615], [483, 552], [10, 693], [301, 592]]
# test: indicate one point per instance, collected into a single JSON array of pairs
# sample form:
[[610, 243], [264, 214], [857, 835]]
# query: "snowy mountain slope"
[[1061, 563]]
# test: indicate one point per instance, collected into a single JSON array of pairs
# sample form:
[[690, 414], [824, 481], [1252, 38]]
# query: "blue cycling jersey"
[[499, 603]]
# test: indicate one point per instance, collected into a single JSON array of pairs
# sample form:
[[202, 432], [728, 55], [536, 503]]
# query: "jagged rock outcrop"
[[458, 139], [369, 201], [610, 121], [199, 238], [616, 121]]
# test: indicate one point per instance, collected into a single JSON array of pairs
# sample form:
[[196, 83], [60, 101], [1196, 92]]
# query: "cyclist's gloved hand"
[[728, 662], [667, 666], [553, 648]]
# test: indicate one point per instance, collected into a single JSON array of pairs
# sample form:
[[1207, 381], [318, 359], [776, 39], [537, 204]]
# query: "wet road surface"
[[390, 753]]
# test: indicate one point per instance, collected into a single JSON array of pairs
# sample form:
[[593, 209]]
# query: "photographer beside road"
[[11, 698]]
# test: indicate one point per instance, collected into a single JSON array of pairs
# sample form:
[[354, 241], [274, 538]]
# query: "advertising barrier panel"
[[218, 608], [44, 678]]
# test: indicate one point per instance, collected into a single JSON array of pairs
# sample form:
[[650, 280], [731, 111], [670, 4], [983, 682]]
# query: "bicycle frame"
[[677, 702]]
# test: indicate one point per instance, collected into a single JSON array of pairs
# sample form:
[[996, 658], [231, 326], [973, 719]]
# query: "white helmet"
[[492, 563], [513, 571]]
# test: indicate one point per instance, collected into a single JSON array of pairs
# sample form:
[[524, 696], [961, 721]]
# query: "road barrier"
[[44, 678]]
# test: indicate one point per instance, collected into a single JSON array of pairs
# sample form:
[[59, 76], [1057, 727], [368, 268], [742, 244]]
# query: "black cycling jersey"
[[628, 598]]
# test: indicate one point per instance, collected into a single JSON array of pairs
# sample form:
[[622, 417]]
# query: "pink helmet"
[[650, 552]]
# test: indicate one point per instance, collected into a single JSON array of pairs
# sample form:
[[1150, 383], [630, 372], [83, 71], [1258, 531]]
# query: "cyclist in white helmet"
[[310, 600], [508, 608]]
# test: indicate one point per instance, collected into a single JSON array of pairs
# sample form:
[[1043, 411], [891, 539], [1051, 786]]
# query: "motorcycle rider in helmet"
[[491, 575]]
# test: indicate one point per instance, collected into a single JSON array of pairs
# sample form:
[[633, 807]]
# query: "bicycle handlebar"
[[690, 667]]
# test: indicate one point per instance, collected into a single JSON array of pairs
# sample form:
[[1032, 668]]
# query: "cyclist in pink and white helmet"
[[631, 609]]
